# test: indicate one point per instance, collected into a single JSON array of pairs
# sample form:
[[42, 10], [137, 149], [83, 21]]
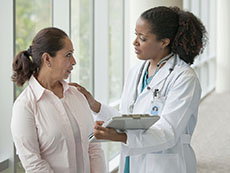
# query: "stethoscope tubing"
[[156, 91]]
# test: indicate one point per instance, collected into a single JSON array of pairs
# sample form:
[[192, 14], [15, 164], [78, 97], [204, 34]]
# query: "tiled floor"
[[211, 140]]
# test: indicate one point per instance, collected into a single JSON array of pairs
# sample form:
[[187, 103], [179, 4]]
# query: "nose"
[[135, 42], [73, 61]]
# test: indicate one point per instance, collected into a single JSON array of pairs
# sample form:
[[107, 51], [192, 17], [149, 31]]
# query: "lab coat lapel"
[[161, 74], [159, 77], [155, 83], [141, 79]]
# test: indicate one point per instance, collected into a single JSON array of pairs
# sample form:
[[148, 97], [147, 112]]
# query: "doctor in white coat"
[[167, 40]]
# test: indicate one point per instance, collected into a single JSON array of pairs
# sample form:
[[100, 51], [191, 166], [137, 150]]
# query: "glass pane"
[[115, 65], [31, 16], [81, 35], [115, 49]]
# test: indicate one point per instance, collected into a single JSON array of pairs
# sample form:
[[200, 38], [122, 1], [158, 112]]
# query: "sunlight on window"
[[115, 61], [82, 38], [31, 16], [81, 35], [115, 49]]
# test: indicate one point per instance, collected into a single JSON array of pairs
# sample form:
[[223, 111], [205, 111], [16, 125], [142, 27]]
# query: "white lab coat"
[[165, 147]]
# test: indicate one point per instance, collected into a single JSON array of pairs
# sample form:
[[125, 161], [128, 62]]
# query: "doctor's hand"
[[108, 133], [94, 104]]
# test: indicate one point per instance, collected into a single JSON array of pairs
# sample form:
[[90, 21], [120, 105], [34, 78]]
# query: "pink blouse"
[[43, 135]]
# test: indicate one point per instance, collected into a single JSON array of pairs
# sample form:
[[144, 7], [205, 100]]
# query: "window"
[[81, 35], [115, 62], [31, 16], [205, 64], [83, 26]]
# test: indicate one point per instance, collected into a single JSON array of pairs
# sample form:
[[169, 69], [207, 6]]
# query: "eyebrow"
[[69, 51], [141, 33]]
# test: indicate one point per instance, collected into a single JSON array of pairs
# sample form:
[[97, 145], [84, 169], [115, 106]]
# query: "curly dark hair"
[[28, 62], [185, 31]]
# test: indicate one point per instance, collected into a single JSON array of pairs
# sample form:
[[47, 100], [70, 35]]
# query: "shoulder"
[[80, 104], [78, 95], [72, 90], [184, 70], [135, 71], [136, 68], [75, 91], [183, 75], [23, 110], [25, 100]]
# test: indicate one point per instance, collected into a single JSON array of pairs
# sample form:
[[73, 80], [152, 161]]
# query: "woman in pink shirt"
[[51, 120]]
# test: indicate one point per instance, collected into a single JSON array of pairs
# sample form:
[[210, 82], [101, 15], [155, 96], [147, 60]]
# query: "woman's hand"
[[94, 104], [108, 133]]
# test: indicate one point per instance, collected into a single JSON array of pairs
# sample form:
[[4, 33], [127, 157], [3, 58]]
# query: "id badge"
[[156, 106]]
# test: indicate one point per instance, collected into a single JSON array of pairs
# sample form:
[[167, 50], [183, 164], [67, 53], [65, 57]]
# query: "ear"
[[46, 59], [165, 42]]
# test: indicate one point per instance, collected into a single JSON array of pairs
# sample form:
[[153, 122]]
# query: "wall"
[[6, 86], [223, 43]]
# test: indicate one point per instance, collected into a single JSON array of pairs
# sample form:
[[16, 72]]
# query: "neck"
[[154, 62], [50, 83]]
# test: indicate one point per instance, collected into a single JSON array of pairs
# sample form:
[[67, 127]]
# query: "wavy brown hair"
[[185, 31]]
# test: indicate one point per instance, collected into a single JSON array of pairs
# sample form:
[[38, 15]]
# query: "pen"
[[91, 135]]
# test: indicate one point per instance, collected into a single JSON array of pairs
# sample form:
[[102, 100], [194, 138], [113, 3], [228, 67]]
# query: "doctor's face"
[[146, 44]]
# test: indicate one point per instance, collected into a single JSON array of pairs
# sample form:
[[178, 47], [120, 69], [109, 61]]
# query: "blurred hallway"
[[211, 140]]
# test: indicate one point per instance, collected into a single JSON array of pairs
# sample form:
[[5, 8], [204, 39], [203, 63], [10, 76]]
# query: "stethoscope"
[[156, 92]]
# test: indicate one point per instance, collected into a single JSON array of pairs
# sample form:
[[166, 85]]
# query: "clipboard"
[[128, 122]]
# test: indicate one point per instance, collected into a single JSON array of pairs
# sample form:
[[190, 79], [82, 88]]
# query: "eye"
[[69, 54], [142, 38]]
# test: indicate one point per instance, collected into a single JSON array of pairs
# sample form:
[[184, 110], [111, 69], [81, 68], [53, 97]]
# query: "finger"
[[83, 91], [74, 84], [79, 87], [99, 122], [100, 134], [100, 128]]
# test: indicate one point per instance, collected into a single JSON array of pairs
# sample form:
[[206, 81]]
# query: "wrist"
[[124, 138], [121, 137], [96, 106]]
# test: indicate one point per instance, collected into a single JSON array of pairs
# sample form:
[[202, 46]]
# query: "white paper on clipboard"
[[128, 122]]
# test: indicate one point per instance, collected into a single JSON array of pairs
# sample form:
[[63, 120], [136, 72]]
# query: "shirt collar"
[[38, 90], [65, 85]]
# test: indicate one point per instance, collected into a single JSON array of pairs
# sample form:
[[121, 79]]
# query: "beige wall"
[[223, 44], [6, 87]]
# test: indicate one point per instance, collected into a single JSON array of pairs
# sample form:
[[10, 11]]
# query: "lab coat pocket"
[[162, 163]]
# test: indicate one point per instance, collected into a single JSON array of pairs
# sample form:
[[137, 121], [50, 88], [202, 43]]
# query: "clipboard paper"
[[128, 122]]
